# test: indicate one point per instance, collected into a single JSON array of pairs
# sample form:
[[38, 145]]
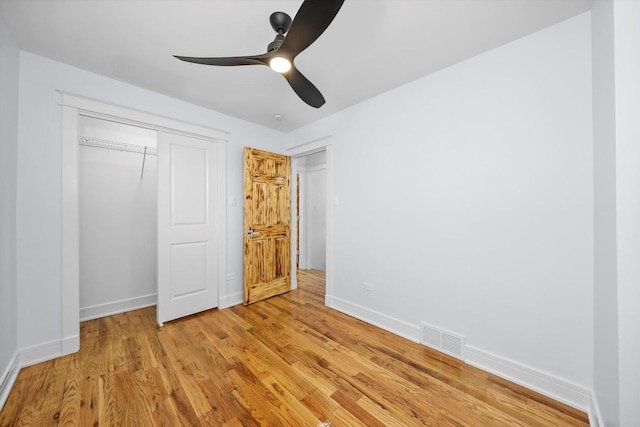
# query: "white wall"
[[39, 183], [605, 358], [9, 74], [616, 89], [118, 227], [465, 199], [316, 230], [627, 86]]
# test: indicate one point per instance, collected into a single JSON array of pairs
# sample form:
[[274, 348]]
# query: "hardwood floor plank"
[[167, 413], [321, 384], [342, 417], [221, 410], [312, 281], [258, 401], [284, 361], [358, 412], [107, 401], [183, 409], [321, 405], [243, 414], [378, 411], [265, 366], [89, 375], [47, 411], [295, 410], [190, 387], [71, 398]]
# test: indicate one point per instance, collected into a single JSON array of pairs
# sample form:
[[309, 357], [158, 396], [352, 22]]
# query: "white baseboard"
[[32, 355], [70, 344], [328, 301], [231, 300], [40, 353], [382, 321], [595, 416], [8, 378], [548, 385], [108, 309]]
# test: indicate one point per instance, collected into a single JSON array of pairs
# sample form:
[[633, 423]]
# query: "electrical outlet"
[[231, 276], [367, 286]]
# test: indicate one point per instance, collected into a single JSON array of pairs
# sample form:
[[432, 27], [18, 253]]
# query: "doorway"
[[311, 210], [324, 146]]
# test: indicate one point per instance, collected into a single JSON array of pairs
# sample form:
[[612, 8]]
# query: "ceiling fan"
[[313, 17]]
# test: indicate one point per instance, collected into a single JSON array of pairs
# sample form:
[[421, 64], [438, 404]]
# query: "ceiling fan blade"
[[304, 88], [313, 17], [262, 59]]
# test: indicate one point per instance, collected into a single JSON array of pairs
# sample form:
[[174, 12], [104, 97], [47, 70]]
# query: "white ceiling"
[[371, 47]]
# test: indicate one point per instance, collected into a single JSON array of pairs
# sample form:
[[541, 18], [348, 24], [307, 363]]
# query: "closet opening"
[[117, 193], [190, 158]]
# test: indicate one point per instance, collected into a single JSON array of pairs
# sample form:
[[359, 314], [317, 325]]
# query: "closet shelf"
[[118, 146]]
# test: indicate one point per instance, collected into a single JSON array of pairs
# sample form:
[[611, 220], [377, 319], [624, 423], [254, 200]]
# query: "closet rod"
[[115, 145], [119, 146]]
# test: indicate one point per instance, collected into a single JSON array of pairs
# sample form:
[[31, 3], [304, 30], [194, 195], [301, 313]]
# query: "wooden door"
[[188, 226], [267, 217]]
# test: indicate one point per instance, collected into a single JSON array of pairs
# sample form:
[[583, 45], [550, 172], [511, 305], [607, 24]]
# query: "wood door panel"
[[269, 204], [267, 217], [269, 272], [271, 165], [269, 258], [262, 291]]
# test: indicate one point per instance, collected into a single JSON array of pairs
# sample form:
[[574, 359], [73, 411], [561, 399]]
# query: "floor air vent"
[[441, 340]]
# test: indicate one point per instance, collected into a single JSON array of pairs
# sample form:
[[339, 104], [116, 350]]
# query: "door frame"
[[74, 106], [299, 170], [304, 149]]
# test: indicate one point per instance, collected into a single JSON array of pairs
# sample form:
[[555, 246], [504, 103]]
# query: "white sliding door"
[[190, 200]]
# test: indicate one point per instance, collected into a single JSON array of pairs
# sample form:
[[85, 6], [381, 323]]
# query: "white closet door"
[[188, 226]]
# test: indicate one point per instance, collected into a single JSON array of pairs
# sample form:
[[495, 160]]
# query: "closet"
[[117, 185]]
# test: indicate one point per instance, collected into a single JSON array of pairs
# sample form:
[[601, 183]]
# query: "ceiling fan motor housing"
[[280, 22], [275, 43]]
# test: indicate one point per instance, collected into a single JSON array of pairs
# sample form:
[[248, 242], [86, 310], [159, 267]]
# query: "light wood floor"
[[311, 280], [284, 361]]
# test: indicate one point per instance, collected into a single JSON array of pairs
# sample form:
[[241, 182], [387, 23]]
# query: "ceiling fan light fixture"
[[280, 64], [312, 19]]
